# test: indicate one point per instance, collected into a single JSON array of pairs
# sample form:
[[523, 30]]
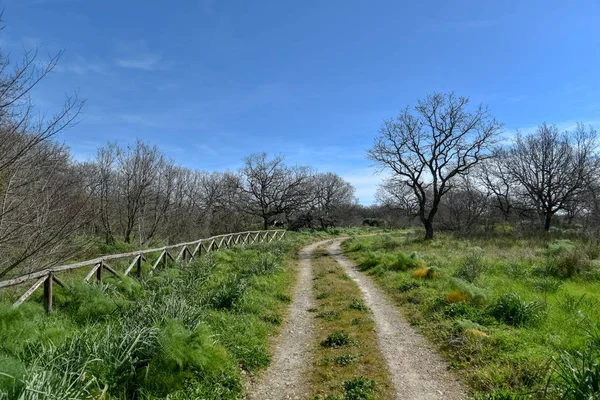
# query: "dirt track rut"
[[285, 377], [417, 372]]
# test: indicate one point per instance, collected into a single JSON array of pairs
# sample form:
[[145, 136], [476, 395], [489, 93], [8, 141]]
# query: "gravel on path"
[[417, 371], [286, 376]]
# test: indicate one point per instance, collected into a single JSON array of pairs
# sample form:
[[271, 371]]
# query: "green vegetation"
[[517, 316], [348, 364], [186, 332]]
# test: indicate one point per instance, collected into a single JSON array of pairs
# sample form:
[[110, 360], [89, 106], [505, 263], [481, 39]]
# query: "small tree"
[[428, 146]]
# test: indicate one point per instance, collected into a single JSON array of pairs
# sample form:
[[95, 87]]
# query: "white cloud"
[[81, 66], [147, 62], [139, 55]]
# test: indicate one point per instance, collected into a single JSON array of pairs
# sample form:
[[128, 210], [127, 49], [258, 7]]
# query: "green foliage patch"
[[183, 332]]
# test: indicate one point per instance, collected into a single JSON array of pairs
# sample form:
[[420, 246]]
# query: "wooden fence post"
[[99, 272], [139, 266], [48, 293]]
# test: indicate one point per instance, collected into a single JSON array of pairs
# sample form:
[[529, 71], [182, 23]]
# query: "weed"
[[546, 285], [472, 266], [510, 309], [360, 388], [272, 318], [323, 295], [336, 339], [404, 262], [283, 297], [425, 273], [345, 359], [357, 304], [329, 315], [456, 296], [408, 285]]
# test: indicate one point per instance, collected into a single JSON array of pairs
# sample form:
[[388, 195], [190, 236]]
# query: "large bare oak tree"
[[427, 146]]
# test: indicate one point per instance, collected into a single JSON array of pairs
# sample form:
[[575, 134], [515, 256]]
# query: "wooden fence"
[[187, 251]]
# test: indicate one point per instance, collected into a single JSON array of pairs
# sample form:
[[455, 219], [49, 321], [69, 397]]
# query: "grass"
[[188, 331], [517, 316], [348, 364]]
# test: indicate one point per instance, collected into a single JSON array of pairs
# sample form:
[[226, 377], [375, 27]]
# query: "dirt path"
[[285, 377], [417, 372]]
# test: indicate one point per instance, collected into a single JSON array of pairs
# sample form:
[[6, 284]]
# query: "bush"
[[456, 296], [357, 304], [476, 295], [345, 360], [425, 273], [472, 266], [510, 309], [225, 294], [408, 285], [360, 388], [404, 262], [336, 339]]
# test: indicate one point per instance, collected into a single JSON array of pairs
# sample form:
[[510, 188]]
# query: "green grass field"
[[517, 317], [191, 331]]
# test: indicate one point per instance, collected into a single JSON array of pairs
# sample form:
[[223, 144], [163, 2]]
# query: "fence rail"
[[47, 276]]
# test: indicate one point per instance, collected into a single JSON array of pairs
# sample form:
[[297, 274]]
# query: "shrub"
[[225, 294], [510, 309], [329, 315], [336, 339], [404, 262], [389, 243], [345, 360], [558, 247], [456, 296], [425, 273], [408, 285], [357, 304], [477, 295], [503, 228], [360, 388], [472, 266]]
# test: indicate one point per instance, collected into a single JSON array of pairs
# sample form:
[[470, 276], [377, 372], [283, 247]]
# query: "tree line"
[[50, 205], [449, 163]]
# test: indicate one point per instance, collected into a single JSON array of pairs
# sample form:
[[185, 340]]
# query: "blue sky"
[[213, 81]]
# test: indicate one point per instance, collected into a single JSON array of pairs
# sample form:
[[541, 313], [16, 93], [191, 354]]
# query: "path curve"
[[417, 372], [286, 376]]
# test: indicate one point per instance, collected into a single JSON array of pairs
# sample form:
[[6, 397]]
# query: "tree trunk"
[[547, 221], [428, 229], [266, 223]]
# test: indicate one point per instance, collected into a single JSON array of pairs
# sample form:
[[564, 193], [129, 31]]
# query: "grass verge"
[[516, 317], [189, 331], [348, 363]]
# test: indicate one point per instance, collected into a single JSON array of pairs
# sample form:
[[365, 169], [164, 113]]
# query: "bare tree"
[[494, 175], [397, 196], [34, 218], [430, 145], [465, 205], [554, 169], [271, 188], [332, 193]]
